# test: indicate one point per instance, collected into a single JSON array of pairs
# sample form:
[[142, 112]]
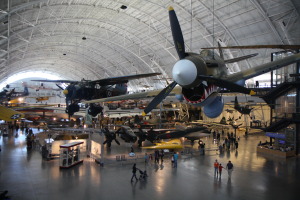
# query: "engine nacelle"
[[215, 108]]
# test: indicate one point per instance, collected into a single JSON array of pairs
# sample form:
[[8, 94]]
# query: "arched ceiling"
[[47, 35]]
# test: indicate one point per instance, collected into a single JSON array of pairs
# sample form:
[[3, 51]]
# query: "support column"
[[297, 138]]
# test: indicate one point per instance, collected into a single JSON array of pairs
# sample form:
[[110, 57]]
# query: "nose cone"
[[184, 72], [65, 92]]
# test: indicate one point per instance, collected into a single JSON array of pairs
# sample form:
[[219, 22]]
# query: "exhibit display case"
[[70, 154]]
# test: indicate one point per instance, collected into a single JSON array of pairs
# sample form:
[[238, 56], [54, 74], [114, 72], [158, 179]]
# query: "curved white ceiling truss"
[[47, 36]]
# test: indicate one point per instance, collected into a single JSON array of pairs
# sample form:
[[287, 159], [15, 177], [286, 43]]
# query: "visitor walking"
[[175, 159], [216, 167], [229, 168], [220, 170], [134, 168]]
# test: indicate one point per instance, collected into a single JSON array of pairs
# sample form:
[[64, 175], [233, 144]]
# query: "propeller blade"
[[105, 141], [165, 92], [59, 87], [233, 87], [117, 141], [177, 33], [220, 51]]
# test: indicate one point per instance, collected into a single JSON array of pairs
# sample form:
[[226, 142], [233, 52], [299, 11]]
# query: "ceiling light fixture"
[[123, 7]]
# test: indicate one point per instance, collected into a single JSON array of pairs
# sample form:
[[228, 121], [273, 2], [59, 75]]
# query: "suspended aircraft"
[[244, 110], [40, 98], [77, 91], [5, 94], [15, 94], [202, 76]]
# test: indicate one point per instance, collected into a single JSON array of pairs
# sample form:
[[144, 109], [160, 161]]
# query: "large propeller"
[[110, 136], [189, 71]]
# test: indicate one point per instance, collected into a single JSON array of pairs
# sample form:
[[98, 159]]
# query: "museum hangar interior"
[[82, 40]]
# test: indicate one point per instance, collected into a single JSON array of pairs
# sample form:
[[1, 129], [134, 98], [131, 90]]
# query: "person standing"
[[229, 168], [175, 159], [216, 166], [236, 145], [146, 157], [172, 160], [162, 154], [134, 168], [156, 156]]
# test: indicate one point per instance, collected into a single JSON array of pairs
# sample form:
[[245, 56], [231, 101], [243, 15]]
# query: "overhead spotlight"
[[123, 7], [83, 38]]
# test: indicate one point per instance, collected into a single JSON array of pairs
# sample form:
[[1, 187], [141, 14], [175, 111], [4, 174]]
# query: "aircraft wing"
[[264, 68], [9, 114], [172, 144], [183, 133], [106, 81], [152, 93], [122, 79]]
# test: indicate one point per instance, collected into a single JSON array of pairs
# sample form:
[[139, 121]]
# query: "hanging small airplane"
[[77, 91], [40, 98], [202, 76], [244, 110], [15, 94], [5, 94]]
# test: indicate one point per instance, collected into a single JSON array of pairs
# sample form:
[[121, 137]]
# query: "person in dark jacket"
[[134, 168]]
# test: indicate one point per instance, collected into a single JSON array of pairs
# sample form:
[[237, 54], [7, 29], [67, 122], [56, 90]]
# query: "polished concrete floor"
[[27, 176]]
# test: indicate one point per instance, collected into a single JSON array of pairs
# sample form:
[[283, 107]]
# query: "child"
[[220, 170]]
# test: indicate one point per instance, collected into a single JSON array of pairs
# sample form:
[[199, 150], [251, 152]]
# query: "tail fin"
[[26, 91], [220, 51], [240, 58]]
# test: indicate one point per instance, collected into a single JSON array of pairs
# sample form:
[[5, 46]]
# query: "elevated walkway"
[[279, 91], [283, 123]]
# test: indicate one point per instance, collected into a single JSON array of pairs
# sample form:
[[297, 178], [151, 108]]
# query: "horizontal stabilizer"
[[240, 58]]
